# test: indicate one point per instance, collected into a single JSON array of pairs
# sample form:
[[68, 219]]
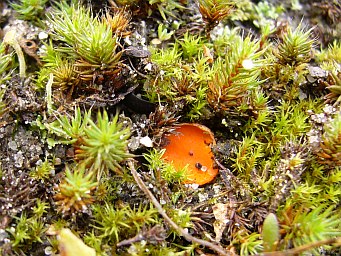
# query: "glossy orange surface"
[[191, 145]]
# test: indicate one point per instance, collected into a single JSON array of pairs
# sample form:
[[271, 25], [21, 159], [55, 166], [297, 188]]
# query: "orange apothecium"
[[190, 146]]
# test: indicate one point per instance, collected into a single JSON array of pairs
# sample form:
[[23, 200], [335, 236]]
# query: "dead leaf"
[[220, 213]]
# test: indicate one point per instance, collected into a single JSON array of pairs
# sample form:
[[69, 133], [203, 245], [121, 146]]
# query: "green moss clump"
[[74, 193], [100, 146], [32, 10]]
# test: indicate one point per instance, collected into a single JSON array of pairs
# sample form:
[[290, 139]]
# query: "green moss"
[[166, 170], [191, 45], [115, 224], [330, 57], [236, 74], [104, 145], [287, 62], [265, 13], [278, 145], [71, 130], [85, 46], [250, 243], [5, 61], [29, 230], [90, 39], [213, 11], [330, 151], [74, 193], [43, 171], [306, 226], [30, 9], [249, 154], [100, 145], [181, 81], [166, 7], [61, 66], [2, 103]]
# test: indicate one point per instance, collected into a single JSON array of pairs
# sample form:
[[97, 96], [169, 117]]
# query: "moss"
[[213, 11], [30, 9], [271, 99], [28, 230], [99, 146], [156, 163], [74, 193]]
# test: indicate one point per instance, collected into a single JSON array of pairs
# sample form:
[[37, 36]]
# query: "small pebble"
[[43, 35], [146, 141], [13, 145]]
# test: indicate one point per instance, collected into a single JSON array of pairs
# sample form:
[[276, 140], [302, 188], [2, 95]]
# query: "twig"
[[49, 94], [227, 177], [181, 231], [156, 234], [303, 248]]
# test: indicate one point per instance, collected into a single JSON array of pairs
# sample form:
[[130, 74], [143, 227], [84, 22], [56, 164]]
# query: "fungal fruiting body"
[[190, 146]]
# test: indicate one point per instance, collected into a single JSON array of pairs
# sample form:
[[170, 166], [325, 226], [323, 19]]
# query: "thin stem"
[[295, 251], [49, 94]]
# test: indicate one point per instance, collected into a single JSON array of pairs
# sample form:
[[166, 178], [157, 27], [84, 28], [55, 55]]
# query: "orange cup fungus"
[[190, 146]]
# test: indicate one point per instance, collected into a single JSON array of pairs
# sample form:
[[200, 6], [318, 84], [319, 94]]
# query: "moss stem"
[[49, 94]]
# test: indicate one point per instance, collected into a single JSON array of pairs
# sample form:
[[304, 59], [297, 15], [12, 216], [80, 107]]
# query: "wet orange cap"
[[191, 146]]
